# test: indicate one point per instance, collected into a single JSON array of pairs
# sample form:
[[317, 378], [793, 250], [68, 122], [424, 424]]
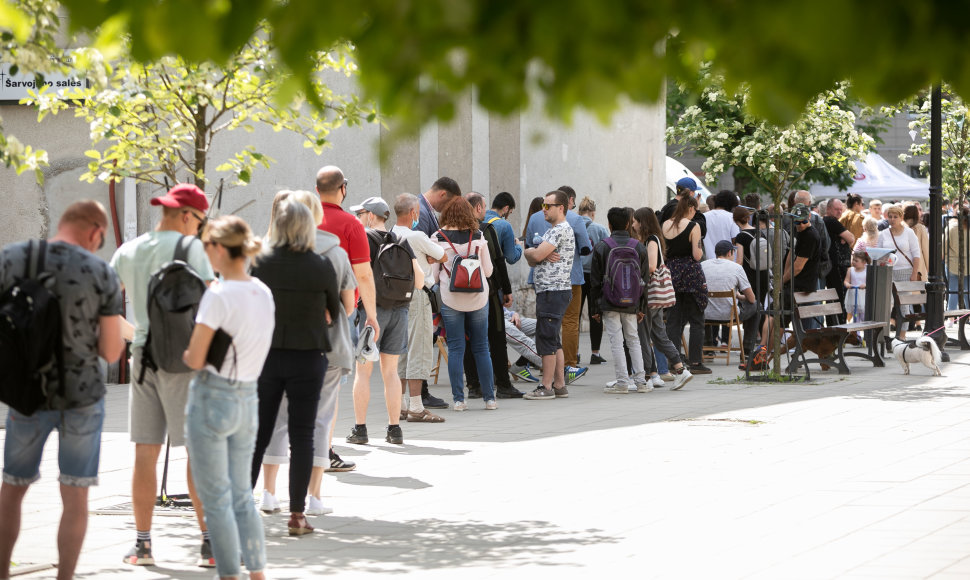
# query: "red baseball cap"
[[183, 195]]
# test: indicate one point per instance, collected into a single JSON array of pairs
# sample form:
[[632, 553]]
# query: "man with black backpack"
[[72, 317], [164, 273], [397, 276], [618, 296]]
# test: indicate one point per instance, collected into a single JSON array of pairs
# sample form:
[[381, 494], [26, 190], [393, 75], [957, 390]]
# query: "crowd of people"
[[283, 320]]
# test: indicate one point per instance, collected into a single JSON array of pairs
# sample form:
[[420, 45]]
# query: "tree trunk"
[[201, 152], [778, 272]]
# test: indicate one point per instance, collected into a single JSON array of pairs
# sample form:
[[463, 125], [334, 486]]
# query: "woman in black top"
[[304, 286], [684, 252]]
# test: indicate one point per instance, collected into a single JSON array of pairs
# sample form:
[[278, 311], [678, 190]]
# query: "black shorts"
[[550, 307]]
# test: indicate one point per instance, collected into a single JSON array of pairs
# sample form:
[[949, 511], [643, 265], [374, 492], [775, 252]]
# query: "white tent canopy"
[[675, 170], [877, 178]]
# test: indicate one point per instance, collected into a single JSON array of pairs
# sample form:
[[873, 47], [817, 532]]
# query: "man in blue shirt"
[[498, 216], [570, 322]]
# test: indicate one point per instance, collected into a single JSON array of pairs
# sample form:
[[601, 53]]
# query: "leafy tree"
[[592, 55], [159, 119], [780, 159], [955, 151]]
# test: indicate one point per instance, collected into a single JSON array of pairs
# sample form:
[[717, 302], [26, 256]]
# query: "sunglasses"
[[548, 205]]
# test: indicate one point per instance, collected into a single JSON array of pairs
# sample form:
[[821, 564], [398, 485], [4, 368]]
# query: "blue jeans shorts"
[[79, 445]]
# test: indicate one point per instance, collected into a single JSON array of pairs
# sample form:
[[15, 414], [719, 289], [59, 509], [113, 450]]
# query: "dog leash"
[[957, 319]]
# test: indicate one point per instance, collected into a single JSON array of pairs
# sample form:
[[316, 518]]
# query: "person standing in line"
[[851, 218], [304, 288], [875, 212], [840, 252], [415, 365], [502, 207], [720, 222], [535, 206], [898, 236], [686, 187], [499, 298], [537, 226], [89, 295], [912, 215], [801, 268], [432, 203], [158, 397], [684, 252], [552, 261], [220, 421], [393, 342], [339, 364], [597, 233], [607, 289]]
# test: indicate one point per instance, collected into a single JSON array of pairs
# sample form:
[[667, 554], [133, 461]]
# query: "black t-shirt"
[[835, 230], [806, 246]]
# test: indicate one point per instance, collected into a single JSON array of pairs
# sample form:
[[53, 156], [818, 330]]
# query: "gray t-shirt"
[[87, 289], [722, 275], [556, 275], [341, 353]]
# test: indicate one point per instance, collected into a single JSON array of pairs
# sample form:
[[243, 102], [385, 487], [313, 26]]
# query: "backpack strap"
[[493, 220], [36, 251], [631, 243], [609, 241], [182, 249]]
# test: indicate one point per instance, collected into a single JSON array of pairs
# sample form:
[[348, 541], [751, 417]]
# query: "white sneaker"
[[269, 505], [460, 406], [681, 379], [645, 387], [657, 382], [315, 507], [616, 388], [491, 405]]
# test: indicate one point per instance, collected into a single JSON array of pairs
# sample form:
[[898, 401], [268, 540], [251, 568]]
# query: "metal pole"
[[935, 289]]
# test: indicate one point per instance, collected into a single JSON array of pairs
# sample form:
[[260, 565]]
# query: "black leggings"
[[595, 326], [299, 375]]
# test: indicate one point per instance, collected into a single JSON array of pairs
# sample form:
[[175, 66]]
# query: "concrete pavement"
[[864, 476]]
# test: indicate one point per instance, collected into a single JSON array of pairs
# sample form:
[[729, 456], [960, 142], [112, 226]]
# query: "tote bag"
[[660, 287]]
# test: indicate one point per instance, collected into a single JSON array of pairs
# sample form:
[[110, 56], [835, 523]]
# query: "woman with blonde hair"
[[587, 211], [869, 237], [232, 336], [304, 286]]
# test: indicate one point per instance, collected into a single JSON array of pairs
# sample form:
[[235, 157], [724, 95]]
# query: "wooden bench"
[[909, 293], [823, 303]]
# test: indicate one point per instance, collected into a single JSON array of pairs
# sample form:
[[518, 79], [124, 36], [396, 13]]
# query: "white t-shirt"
[[423, 247], [246, 311], [907, 243], [720, 226]]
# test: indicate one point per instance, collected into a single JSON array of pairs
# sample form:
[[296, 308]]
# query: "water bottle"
[[536, 240]]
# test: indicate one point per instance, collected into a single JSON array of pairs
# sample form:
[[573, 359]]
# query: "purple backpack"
[[622, 282]]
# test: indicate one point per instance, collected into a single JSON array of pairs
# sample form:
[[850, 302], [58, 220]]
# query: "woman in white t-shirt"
[[221, 413], [898, 236]]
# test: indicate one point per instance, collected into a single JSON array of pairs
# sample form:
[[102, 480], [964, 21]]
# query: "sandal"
[[425, 416], [298, 526], [404, 415]]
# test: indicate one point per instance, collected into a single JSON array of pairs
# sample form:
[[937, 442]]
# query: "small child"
[[855, 285]]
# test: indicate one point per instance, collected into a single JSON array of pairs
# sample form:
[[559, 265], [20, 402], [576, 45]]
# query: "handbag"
[[433, 299], [660, 286]]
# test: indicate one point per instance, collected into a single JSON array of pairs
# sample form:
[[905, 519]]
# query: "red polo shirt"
[[353, 238]]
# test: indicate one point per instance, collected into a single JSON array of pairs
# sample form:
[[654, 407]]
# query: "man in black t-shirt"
[[840, 253], [801, 272]]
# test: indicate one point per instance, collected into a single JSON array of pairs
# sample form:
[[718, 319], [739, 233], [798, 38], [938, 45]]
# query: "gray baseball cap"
[[375, 205]]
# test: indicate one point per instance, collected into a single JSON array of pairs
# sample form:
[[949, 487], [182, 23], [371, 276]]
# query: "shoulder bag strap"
[[35, 257], [660, 254], [897, 248]]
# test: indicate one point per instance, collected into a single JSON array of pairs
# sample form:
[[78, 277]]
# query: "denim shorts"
[[79, 445]]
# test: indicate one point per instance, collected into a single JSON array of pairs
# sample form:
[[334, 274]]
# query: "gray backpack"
[[174, 293]]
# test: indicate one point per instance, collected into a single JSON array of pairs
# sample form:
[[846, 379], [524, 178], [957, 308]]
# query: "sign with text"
[[14, 87]]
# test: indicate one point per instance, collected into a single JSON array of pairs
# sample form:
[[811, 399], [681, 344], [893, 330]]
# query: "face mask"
[[414, 224]]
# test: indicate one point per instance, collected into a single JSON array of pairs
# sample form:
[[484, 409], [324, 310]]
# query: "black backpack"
[[393, 269], [174, 293], [31, 343]]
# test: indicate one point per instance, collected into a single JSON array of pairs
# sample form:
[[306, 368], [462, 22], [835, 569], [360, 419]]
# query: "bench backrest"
[[909, 293], [822, 302]]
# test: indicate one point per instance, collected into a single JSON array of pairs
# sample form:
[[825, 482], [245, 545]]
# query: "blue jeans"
[[220, 434], [661, 361], [952, 282], [78, 450], [475, 325]]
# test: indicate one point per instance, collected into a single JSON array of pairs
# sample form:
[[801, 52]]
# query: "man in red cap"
[[158, 398]]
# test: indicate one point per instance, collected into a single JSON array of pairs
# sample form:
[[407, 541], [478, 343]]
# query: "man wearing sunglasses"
[[157, 405]]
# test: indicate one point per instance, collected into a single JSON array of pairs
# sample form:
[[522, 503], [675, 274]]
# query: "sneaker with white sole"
[[206, 558], [461, 406], [491, 405], [338, 464], [524, 373], [617, 388], [315, 507], [574, 373], [645, 387], [540, 394], [681, 379], [657, 382], [269, 505], [140, 554]]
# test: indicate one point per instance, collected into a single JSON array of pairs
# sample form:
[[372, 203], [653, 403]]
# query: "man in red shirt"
[[332, 189]]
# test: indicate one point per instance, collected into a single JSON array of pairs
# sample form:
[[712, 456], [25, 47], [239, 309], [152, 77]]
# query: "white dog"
[[924, 351]]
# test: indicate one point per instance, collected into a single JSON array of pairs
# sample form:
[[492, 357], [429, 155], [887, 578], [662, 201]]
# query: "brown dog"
[[822, 345]]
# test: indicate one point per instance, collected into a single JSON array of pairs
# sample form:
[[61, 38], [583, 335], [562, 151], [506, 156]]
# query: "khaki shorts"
[[417, 361], [157, 404]]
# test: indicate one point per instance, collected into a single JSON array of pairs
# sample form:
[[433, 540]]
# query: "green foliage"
[[159, 118], [417, 56], [955, 134]]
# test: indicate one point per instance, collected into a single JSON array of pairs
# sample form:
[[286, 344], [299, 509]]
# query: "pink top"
[[462, 301]]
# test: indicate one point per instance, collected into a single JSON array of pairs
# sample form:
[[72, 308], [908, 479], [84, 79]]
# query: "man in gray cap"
[[724, 273], [392, 317]]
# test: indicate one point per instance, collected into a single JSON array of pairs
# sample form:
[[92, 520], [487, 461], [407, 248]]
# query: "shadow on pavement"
[[356, 478]]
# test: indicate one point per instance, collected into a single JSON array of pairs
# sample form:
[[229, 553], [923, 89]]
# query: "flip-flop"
[[425, 416]]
